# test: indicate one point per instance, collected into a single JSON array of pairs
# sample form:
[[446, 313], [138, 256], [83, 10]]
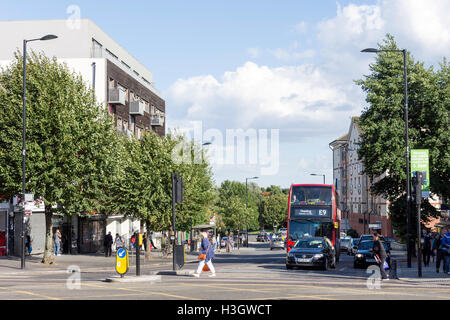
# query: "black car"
[[312, 252], [365, 256]]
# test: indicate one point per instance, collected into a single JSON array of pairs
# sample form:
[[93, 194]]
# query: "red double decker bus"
[[313, 212]]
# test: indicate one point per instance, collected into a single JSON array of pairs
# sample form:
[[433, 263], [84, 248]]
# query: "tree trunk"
[[48, 251], [147, 239]]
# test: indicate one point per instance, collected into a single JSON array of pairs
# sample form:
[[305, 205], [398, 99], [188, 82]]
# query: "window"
[[112, 83], [146, 106], [112, 54], [138, 132], [119, 124], [97, 49], [126, 65], [124, 126]]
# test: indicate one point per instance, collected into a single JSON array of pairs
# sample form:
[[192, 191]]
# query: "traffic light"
[[178, 189], [418, 181]]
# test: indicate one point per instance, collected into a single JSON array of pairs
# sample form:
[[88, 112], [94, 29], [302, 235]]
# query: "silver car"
[[276, 243]]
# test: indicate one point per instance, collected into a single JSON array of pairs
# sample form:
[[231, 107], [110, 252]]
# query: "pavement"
[[160, 265], [157, 264]]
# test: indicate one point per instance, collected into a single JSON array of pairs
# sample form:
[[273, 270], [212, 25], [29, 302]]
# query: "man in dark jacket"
[[107, 243], [378, 249], [425, 244], [440, 254]]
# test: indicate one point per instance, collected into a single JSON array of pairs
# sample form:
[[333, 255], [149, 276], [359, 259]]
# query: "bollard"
[[393, 271]]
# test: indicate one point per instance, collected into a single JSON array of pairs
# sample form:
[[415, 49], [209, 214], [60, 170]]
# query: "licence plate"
[[303, 260], [371, 260]]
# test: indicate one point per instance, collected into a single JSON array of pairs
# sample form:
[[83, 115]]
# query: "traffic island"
[[185, 273], [150, 278]]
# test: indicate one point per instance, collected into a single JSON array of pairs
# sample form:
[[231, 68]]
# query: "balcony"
[[117, 96], [157, 120], [137, 107]]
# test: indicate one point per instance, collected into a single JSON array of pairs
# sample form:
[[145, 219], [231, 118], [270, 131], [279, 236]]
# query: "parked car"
[[276, 243], [345, 244], [353, 246], [312, 252], [365, 256]]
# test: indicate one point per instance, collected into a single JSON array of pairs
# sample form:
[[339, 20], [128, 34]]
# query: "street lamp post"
[[408, 192], [313, 174], [246, 202], [24, 99]]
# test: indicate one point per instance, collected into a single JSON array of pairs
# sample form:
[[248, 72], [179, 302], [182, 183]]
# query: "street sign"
[[420, 162], [122, 261]]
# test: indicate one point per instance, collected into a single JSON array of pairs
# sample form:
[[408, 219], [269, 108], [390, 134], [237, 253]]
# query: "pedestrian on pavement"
[[206, 248], [218, 242], [28, 244], [229, 245], [433, 240], [151, 241], [57, 240], [445, 246], [425, 245], [118, 242], [437, 249], [378, 249], [107, 243]]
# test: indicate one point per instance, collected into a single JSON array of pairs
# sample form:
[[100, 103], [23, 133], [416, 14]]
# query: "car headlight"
[[318, 256], [359, 255]]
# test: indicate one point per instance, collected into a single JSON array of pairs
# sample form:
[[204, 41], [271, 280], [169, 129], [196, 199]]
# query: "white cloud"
[[301, 97], [301, 27]]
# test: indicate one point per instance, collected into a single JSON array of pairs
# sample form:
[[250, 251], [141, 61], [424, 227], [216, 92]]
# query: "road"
[[250, 274]]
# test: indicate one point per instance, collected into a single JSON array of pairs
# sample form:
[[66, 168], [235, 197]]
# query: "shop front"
[[92, 232]]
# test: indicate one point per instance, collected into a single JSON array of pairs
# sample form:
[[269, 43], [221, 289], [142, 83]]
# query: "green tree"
[[383, 128], [273, 209], [70, 139]]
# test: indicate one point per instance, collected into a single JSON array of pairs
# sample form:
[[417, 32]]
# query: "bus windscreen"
[[307, 195]]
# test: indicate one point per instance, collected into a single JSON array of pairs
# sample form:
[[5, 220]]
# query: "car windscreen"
[[277, 240], [366, 245], [310, 244], [345, 241]]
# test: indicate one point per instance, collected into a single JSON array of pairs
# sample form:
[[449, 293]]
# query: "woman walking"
[[207, 250]]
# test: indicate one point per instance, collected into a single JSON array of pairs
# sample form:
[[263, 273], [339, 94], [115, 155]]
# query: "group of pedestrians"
[[118, 243], [439, 247]]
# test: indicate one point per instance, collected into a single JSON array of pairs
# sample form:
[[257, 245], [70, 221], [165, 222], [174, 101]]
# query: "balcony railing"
[[157, 120], [117, 96], [137, 107]]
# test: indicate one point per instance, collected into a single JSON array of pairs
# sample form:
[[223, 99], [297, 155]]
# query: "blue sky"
[[261, 64]]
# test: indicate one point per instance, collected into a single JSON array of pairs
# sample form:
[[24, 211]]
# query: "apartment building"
[[121, 84], [362, 210]]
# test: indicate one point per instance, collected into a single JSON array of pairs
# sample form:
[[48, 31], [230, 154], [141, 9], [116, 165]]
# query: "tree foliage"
[[69, 139], [383, 127]]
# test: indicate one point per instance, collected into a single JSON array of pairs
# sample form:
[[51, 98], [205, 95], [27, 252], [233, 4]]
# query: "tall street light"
[[24, 98], [408, 192], [314, 174], [246, 202]]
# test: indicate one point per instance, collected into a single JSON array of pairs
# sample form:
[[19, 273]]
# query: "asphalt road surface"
[[256, 273]]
